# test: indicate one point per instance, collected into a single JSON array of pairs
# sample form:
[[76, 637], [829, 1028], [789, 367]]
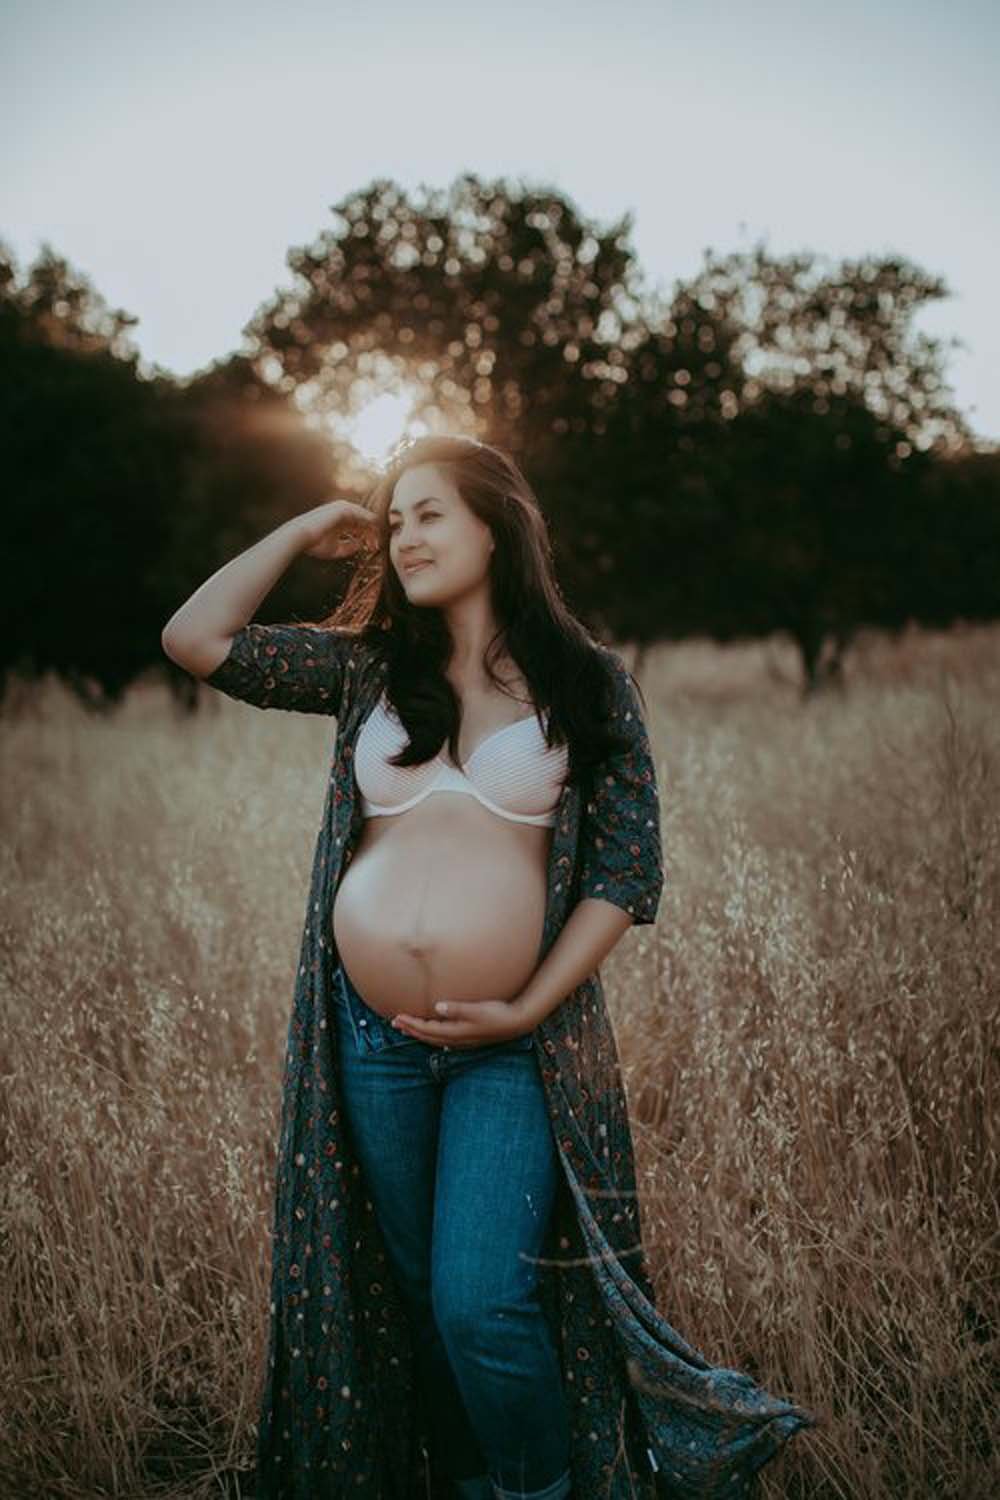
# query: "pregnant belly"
[[445, 901]]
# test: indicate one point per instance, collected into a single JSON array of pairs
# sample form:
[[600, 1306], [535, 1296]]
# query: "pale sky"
[[174, 152]]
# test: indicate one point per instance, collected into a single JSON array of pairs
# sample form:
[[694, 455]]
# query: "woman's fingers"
[[471, 1024], [339, 527]]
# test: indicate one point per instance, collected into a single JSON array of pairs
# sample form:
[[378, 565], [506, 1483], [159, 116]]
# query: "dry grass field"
[[809, 1036]]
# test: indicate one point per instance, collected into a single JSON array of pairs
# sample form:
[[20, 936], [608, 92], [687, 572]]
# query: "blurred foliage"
[[771, 448]]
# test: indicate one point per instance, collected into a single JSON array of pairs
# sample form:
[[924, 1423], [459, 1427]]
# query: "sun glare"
[[380, 423]]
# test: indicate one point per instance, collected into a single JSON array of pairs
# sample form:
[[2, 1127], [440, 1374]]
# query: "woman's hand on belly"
[[475, 1023]]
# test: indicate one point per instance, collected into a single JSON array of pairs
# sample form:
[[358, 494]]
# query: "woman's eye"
[[426, 516]]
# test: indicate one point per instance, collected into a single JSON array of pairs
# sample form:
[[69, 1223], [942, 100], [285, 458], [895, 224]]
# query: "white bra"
[[512, 772]]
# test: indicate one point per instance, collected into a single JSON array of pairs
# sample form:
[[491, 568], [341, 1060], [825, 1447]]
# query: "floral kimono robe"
[[339, 1417]]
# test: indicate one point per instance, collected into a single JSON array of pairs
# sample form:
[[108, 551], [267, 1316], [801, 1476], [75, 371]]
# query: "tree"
[[86, 501], [764, 458], [495, 302], [124, 493]]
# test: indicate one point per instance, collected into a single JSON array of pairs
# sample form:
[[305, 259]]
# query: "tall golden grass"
[[809, 1039]]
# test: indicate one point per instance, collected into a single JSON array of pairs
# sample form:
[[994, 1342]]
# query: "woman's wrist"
[[590, 932], [292, 537]]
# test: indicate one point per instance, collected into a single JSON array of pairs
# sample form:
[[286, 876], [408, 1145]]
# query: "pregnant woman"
[[460, 1301]]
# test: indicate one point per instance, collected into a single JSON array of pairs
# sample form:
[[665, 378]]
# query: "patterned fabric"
[[649, 1416]]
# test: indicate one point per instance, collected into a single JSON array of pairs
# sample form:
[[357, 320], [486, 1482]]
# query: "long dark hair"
[[563, 665]]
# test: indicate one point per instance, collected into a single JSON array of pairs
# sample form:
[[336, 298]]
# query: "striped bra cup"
[[512, 772]]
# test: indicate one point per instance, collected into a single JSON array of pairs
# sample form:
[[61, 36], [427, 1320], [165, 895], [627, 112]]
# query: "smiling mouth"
[[415, 567]]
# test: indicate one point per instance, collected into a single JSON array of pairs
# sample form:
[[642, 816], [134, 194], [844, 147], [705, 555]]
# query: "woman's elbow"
[[199, 657]]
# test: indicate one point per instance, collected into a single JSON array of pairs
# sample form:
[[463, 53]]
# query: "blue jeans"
[[458, 1157]]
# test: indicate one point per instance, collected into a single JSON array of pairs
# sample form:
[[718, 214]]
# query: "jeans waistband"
[[378, 1032]]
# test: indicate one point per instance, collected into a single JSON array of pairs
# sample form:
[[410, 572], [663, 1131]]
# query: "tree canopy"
[[771, 447]]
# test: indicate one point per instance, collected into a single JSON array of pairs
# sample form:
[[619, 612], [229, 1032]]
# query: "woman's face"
[[430, 523]]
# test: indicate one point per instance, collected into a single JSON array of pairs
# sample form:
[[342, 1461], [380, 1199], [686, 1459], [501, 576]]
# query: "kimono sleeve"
[[620, 855], [286, 666]]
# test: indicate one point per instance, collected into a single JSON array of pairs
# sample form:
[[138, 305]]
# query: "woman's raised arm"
[[271, 666]]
